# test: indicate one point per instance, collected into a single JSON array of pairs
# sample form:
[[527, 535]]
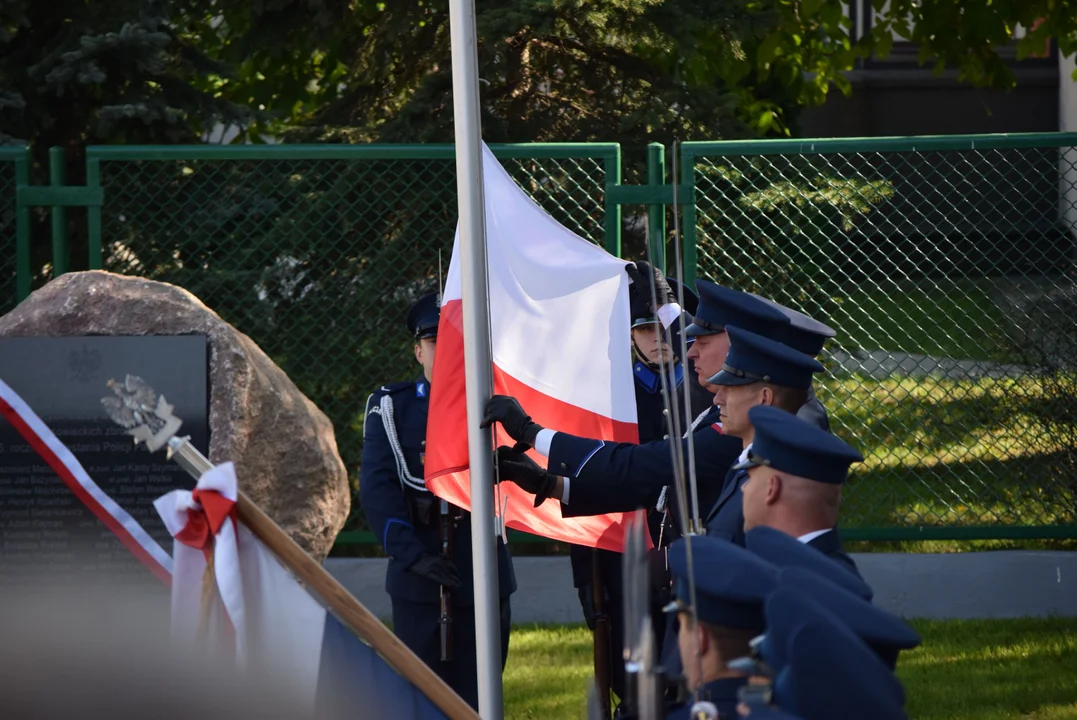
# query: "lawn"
[[957, 453], [965, 670]]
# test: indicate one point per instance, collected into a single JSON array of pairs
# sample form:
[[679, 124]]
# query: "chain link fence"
[[945, 265], [947, 268], [317, 254], [10, 158]]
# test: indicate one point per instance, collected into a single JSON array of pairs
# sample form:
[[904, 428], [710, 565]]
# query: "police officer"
[[409, 521], [810, 665], [807, 335], [795, 477], [594, 477], [757, 372]]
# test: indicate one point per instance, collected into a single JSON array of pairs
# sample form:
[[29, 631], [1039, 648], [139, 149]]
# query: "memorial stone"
[[46, 531]]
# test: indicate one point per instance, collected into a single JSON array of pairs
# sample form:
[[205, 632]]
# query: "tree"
[[630, 71], [127, 71]]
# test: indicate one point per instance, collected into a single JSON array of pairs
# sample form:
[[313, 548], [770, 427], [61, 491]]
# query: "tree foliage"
[[73, 72], [120, 71], [970, 36]]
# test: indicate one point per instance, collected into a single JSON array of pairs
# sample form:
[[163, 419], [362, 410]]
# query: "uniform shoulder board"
[[373, 401], [393, 388]]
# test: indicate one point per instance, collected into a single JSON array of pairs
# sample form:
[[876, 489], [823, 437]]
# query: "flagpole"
[[478, 361]]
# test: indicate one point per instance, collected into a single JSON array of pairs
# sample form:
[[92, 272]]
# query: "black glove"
[[514, 465], [437, 568], [645, 276], [587, 602], [507, 411]]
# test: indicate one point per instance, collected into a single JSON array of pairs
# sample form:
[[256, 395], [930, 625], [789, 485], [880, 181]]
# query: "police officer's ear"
[[767, 396], [419, 352], [774, 488]]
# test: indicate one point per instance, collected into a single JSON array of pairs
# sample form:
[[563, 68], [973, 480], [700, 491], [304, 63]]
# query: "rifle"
[[602, 638], [445, 622]]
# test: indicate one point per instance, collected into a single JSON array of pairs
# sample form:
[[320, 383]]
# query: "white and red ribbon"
[[63, 463], [203, 524]]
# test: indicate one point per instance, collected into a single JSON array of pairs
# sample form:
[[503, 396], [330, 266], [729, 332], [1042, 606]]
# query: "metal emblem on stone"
[[84, 364], [137, 407]]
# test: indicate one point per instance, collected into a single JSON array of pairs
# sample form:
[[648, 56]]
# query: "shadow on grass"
[[929, 416], [977, 452], [941, 317], [1024, 491]]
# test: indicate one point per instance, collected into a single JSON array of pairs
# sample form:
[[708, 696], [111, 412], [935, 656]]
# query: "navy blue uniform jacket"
[[726, 517], [829, 543], [813, 411], [389, 504], [622, 477]]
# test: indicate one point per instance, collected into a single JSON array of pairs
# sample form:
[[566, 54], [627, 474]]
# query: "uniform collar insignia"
[[650, 380]]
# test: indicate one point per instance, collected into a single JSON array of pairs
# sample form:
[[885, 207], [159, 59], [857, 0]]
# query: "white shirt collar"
[[812, 535], [744, 454]]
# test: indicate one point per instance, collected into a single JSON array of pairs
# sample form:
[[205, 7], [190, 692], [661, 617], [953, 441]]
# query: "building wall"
[[901, 101]]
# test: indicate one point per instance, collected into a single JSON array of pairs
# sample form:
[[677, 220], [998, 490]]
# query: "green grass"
[[965, 670], [981, 452], [962, 314]]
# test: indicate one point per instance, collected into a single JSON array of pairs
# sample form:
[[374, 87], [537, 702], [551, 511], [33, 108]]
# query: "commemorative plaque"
[[106, 530]]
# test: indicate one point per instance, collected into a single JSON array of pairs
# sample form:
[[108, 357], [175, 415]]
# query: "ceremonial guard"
[[757, 372], [795, 478], [718, 630], [811, 665], [428, 541], [807, 335]]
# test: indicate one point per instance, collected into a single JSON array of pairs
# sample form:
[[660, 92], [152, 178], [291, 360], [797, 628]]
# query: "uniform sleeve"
[[380, 492], [621, 477]]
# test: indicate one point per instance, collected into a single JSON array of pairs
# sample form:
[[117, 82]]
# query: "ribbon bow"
[[195, 518], [205, 516]]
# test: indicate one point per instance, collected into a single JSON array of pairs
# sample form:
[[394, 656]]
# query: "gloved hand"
[[517, 423], [437, 568], [512, 464], [587, 603], [644, 276]]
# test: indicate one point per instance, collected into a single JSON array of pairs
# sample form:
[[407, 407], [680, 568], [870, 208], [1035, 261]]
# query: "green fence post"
[[57, 178], [613, 208], [656, 214], [688, 229], [23, 271]]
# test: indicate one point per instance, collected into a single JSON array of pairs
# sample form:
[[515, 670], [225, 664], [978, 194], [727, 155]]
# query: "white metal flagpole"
[[478, 362]]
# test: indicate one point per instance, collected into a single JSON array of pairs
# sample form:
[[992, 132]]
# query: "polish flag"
[[559, 324]]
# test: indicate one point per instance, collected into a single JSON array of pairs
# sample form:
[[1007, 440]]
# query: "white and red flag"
[[559, 325]]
